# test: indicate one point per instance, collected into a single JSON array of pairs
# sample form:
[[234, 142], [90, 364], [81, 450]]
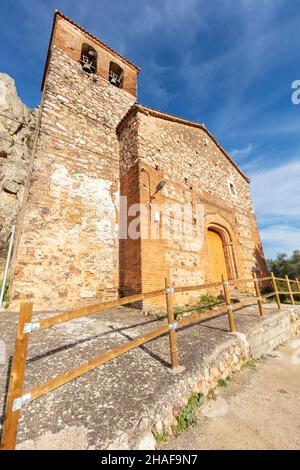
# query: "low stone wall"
[[227, 359], [273, 332], [123, 404]]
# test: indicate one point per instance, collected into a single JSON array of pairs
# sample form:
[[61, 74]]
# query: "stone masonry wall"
[[69, 38], [68, 250]]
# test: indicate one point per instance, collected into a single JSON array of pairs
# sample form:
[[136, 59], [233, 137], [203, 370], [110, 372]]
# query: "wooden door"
[[217, 256]]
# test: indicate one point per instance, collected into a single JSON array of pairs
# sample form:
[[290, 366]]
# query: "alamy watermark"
[[179, 222]]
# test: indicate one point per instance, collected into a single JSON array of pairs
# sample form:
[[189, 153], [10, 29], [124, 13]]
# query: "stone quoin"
[[94, 144]]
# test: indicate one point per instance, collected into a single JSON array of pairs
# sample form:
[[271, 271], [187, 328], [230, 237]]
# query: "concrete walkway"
[[260, 409], [116, 405]]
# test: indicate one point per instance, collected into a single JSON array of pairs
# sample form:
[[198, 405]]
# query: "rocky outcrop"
[[17, 126]]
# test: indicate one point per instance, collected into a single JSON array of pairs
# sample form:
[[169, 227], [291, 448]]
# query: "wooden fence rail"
[[17, 399], [15, 389]]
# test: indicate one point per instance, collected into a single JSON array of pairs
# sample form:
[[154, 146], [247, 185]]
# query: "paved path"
[[259, 409], [115, 406]]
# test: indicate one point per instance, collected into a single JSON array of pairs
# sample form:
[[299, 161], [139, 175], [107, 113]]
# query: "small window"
[[88, 58], [116, 75]]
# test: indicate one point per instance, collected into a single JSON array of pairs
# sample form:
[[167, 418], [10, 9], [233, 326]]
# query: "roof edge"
[[171, 117]]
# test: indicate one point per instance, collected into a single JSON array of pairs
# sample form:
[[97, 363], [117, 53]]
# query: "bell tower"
[[67, 248], [95, 56]]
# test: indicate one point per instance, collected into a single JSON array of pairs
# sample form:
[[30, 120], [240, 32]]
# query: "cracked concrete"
[[118, 404]]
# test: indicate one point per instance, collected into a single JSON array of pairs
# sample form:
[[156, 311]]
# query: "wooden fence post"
[[15, 389], [171, 322], [228, 303], [277, 296], [257, 293], [298, 284], [290, 289]]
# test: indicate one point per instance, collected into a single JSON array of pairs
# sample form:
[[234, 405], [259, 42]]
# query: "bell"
[[113, 81], [86, 66]]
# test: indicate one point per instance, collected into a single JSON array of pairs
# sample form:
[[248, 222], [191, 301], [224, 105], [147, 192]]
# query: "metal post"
[[7, 264]]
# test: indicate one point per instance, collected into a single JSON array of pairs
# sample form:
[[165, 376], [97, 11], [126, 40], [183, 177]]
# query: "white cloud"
[[156, 14], [271, 125], [238, 65], [280, 238], [276, 198], [242, 152], [276, 191]]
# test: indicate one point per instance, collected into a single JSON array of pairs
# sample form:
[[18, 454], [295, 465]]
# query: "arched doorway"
[[217, 256]]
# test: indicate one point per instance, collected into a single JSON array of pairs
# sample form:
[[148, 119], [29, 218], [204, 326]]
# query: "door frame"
[[228, 247]]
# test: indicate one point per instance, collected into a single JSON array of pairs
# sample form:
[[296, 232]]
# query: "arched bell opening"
[[88, 58], [116, 75]]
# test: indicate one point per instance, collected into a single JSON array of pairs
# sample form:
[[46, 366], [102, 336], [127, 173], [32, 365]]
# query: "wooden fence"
[[16, 397]]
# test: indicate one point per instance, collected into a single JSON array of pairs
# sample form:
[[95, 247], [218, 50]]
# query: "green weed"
[[224, 382], [187, 418]]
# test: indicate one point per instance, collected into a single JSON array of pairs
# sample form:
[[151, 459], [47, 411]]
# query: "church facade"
[[121, 195]]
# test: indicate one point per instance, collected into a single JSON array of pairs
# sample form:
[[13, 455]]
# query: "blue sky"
[[227, 63]]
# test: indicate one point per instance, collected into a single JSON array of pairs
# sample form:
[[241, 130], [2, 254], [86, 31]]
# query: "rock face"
[[17, 126]]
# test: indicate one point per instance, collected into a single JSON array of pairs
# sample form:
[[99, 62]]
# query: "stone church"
[[95, 147]]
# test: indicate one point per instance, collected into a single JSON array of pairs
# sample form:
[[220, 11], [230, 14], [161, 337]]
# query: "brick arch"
[[224, 229]]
